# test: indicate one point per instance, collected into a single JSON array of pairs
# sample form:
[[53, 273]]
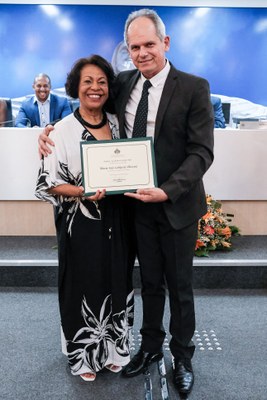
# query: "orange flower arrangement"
[[214, 229]]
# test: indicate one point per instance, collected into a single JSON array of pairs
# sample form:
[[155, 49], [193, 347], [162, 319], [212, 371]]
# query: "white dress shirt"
[[155, 92], [44, 111]]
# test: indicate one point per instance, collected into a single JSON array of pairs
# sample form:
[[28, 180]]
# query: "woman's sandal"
[[113, 368], [88, 376]]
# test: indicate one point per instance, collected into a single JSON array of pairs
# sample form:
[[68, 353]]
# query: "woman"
[[95, 293]]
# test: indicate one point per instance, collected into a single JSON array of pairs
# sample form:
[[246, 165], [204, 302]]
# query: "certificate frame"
[[118, 165]]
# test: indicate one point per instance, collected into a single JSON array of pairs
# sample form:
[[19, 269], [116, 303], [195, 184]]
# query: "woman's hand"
[[100, 194], [76, 191], [44, 141]]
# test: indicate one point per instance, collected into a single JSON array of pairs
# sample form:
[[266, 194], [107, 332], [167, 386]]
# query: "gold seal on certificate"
[[119, 165]]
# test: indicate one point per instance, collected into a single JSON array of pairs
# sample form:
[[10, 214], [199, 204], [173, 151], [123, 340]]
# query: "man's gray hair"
[[151, 14]]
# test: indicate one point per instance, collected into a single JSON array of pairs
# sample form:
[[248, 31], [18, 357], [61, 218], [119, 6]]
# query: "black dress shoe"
[[183, 376], [140, 362]]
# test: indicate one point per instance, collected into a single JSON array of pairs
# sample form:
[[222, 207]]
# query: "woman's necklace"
[[91, 126]]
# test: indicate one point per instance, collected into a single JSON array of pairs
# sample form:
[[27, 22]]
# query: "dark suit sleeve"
[[197, 144]]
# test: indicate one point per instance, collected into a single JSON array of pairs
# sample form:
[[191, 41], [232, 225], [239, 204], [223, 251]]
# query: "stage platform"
[[32, 261]]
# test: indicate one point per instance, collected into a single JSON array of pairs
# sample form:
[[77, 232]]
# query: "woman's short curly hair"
[[74, 76]]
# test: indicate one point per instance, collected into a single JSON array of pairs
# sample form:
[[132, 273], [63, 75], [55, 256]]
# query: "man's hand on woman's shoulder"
[[45, 142]]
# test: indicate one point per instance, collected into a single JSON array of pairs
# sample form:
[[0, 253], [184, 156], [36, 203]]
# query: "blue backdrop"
[[228, 46]]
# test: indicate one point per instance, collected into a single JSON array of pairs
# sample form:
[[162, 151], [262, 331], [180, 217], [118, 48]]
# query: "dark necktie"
[[140, 121]]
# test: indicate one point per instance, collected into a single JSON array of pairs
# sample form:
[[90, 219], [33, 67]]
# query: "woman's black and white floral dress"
[[95, 291]]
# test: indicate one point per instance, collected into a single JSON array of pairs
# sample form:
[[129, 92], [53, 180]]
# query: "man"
[[180, 119], [43, 107], [219, 120]]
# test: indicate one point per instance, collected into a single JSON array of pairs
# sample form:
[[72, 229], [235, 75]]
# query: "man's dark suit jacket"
[[29, 113], [183, 141]]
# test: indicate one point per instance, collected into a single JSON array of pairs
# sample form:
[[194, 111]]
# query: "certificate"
[[119, 165]]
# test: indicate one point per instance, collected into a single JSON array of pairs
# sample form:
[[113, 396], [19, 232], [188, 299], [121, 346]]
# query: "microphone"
[[7, 123]]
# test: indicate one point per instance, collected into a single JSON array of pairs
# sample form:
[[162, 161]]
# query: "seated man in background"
[[219, 120], [44, 107]]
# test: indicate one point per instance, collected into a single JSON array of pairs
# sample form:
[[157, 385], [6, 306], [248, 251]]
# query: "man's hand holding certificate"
[[153, 195]]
